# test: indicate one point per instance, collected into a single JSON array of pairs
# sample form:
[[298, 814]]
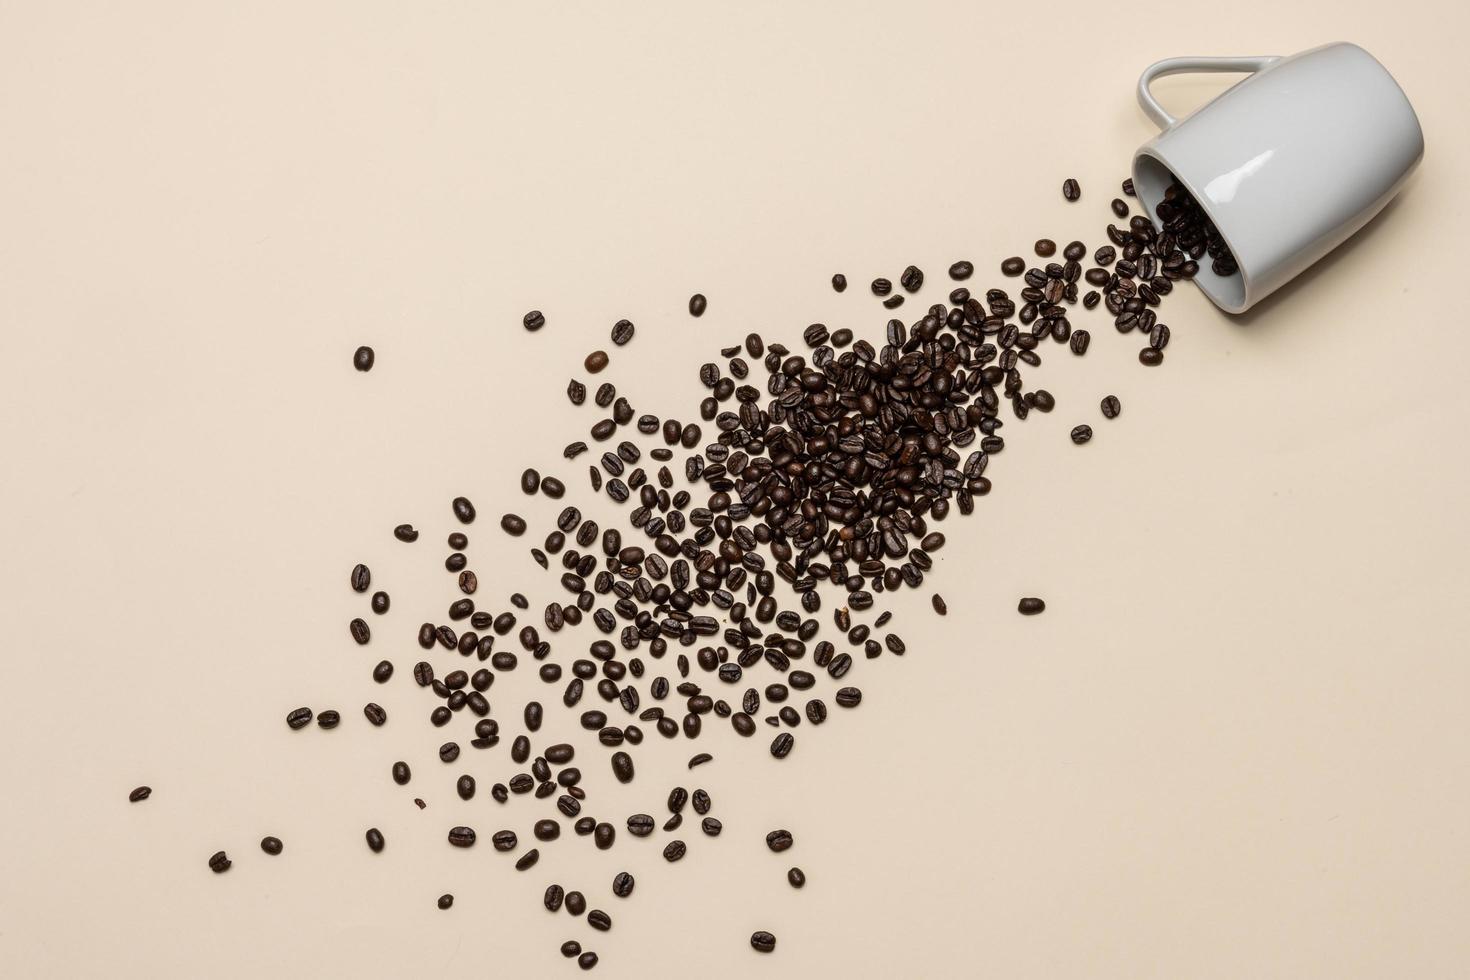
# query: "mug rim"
[[1150, 152]]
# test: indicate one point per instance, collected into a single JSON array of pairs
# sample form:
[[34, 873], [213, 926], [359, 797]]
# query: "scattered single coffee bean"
[[1013, 266], [937, 601], [576, 902], [363, 358], [361, 578], [675, 850], [599, 920], [299, 718], [380, 602], [513, 524], [445, 901], [219, 863], [1046, 248], [622, 767], [401, 773], [140, 794], [961, 270], [622, 332], [796, 877], [462, 836], [779, 840], [700, 759], [587, 960], [271, 845], [595, 361], [374, 840], [406, 533], [328, 719], [622, 884], [533, 320], [1071, 190], [762, 941], [912, 279], [1111, 407], [839, 282], [1030, 606], [374, 714], [697, 304], [528, 860], [360, 631], [1081, 434]]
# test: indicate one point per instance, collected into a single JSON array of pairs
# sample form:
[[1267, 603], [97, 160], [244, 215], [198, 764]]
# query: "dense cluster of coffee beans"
[[821, 473]]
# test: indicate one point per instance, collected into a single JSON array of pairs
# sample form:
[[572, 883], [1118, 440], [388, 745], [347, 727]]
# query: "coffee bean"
[[622, 767], [528, 860], [1151, 357], [1046, 248], [363, 358], [359, 630], [1014, 266], [622, 884], [796, 877], [881, 287], [912, 279], [1081, 434], [1111, 407], [328, 719], [1071, 190], [375, 840], [219, 863], [576, 902], [782, 744], [533, 321], [697, 304], [599, 920], [893, 302], [271, 845], [406, 533], [462, 836], [1079, 342], [962, 270], [140, 794], [848, 697], [700, 759], [779, 840], [375, 713], [576, 392], [464, 511], [360, 578], [595, 361], [1030, 606], [299, 718], [513, 524], [587, 960], [546, 830], [675, 850], [445, 901], [622, 332], [603, 835], [641, 824], [380, 602], [503, 840], [711, 826], [762, 941]]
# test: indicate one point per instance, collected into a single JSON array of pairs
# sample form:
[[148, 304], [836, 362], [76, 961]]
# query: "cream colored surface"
[[1235, 745]]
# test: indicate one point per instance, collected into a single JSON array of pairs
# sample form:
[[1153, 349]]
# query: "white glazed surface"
[[1288, 164]]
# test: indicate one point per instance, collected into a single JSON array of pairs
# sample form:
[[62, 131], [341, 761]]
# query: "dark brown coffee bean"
[[359, 630], [1151, 357], [1071, 190], [599, 920], [1079, 342], [697, 304], [587, 960], [779, 840], [219, 863], [622, 332], [961, 270], [848, 697], [299, 718], [462, 836], [528, 860], [622, 767], [271, 845], [401, 773], [374, 713], [1013, 266], [1046, 248], [464, 511], [762, 941], [513, 524], [533, 321], [796, 877], [912, 279], [363, 358], [576, 902], [328, 719], [839, 282], [1030, 606], [700, 759], [406, 533], [1111, 407], [1081, 434], [374, 840], [675, 850], [595, 361], [782, 744], [360, 578], [140, 794], [881, 287]]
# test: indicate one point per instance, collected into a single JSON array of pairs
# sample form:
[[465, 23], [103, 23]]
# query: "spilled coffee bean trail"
[[831, 480]]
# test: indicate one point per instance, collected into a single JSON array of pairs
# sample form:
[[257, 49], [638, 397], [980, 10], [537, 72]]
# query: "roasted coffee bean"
[[1030, 606], [1013, 266], [1046, 248], [839, 282], [1120, 208], [961, 270], [528, 860], [782, 744], [363, 358], [779, 840], [622, 332], [599, 920], [1111, 407], [675, 850], [1151, 357], [462, 836], [595, 361], [360, 578], [219, 863], [546, 830], [359, 630], [1079, 342], [881, 287], [401, 773], [622, 767], [374, 713], [1081, 434], [576, 392], [503, 840], [406, 533], [603, 836], [533, 320], [271, 845], [697, 304], [848, 697], [912, 279], [464, 511], [762, 941], [576, 902], [374, 840], [140, 794], [641, 825], [445, 902], [587, 960], [328, 719], [299, 718], [1071, 190]]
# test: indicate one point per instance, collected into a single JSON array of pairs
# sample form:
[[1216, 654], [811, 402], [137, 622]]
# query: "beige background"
[[1235, 745]]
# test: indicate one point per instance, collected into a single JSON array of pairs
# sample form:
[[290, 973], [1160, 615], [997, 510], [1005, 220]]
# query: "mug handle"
[[1179, 66]]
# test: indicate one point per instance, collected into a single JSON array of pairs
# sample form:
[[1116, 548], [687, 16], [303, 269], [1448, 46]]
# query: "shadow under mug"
[[1287, 164]]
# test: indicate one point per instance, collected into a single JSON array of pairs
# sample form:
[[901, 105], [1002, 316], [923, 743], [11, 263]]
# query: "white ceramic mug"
[[1287, 164]]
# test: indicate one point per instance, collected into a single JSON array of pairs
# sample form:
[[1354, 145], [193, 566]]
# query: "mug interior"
[[1151, 177]]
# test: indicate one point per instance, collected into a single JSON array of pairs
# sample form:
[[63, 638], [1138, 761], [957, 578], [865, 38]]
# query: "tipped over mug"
[[1287, 164]]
